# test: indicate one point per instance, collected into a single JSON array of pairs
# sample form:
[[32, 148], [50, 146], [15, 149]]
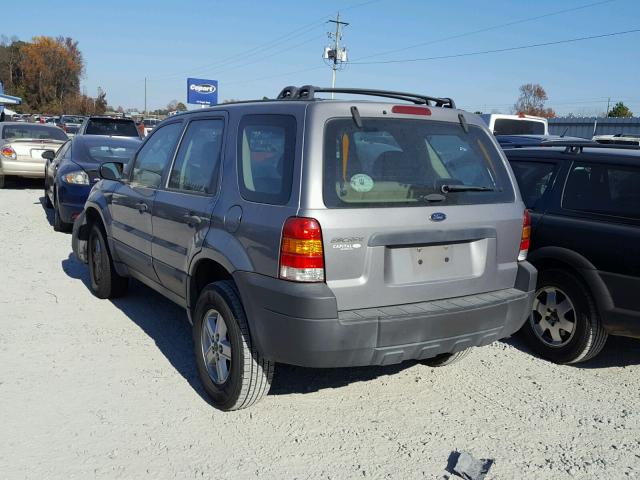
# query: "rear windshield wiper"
[[465, 188]]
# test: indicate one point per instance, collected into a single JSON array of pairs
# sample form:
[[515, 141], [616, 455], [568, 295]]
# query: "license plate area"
[[37, 153], [435, 263]]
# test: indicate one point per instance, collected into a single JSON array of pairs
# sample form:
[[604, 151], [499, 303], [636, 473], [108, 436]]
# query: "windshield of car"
[[394, 162], [33, 132], [112, 126], [508, 126]]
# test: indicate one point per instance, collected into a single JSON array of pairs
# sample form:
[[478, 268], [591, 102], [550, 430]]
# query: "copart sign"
[[202, 92]]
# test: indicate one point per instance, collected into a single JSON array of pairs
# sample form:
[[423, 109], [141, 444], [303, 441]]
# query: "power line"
[[499, 50], [486, 29]]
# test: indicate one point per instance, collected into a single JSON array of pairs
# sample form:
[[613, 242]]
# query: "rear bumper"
[[22, 168], [299, 324]]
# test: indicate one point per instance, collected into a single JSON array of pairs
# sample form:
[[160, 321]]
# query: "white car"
[[149, 124], [618, 139], [520, 124]]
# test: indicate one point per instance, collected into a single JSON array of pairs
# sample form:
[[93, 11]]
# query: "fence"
[[584, 127]]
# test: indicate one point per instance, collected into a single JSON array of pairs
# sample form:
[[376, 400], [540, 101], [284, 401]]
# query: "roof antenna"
[[565, 132]]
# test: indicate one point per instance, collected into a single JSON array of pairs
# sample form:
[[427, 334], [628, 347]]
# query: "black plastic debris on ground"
[[464, 465]]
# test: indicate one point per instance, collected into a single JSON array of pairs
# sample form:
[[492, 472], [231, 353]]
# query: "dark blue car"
[[72, 171]]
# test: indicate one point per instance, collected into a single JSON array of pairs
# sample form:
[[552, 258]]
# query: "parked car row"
[[346, 233]]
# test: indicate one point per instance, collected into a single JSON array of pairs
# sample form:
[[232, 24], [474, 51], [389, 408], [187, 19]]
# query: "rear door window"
[[266, 154], [198, 157], [534, 179], [603, 189], [395, 162]]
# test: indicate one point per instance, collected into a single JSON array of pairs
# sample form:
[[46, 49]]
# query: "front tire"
[[231, 370], [565, 325], [58, 224], [105, 281]]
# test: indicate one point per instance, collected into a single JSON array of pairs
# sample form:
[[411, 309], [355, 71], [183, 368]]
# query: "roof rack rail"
[[572, 146], [307, 92]]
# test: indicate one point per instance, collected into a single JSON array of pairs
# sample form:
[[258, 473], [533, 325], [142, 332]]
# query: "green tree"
[[620, 110], [181, 107]]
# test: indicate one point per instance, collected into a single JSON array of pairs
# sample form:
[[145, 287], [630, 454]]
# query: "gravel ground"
[[98, 389]]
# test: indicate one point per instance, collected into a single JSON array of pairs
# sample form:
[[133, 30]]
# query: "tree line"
[[46, 74]]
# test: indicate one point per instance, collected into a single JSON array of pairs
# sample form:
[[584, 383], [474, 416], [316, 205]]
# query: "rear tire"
[[445, 359], [47, 200], [1, 181], [105, 281], [232, 371], [564, 308]]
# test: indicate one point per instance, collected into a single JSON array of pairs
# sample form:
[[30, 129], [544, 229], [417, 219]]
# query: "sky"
[[255, 48]]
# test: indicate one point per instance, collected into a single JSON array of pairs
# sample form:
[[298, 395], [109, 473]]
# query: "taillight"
[[64, 127], [525, 240], [8, 152], [301, 252]]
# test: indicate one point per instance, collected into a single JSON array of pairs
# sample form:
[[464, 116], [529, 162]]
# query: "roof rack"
[[572, 146], [307, 92]]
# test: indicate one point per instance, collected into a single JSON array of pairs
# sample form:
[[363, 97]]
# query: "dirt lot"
[[99, 389]]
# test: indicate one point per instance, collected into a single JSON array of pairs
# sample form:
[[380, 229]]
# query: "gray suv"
[[317, 233]]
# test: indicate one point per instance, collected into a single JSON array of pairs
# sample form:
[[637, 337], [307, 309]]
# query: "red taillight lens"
[[64, 127], [410, 110], [525, 240], [8, 152], [301, 252]]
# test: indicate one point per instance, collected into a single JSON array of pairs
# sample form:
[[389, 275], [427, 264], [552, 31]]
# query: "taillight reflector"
[[525, 239], [410, 110], [301, 251]]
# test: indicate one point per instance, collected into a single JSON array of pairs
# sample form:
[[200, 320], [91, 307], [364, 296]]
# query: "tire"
[[105, 281], [1, 181], [47, 200], [236, 376], [445, 359], [564, 300], [58, 224]]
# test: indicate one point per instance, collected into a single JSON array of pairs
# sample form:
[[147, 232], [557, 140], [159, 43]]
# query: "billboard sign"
[[202, 92]]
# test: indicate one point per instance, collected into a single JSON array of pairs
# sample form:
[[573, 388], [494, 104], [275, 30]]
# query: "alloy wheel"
[[554, 317], [216, 347]]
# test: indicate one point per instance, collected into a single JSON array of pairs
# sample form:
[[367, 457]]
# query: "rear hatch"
[[415, 210], [30, 141], [30, 150]]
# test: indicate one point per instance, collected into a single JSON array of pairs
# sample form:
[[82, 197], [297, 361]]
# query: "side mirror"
[[48, 154], [111, 171]]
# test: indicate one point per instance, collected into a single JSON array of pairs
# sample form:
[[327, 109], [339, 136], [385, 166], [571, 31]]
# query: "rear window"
[[36, 132], [395, 162], [71, 119], [110, 153], [112, 126], [506, 126]]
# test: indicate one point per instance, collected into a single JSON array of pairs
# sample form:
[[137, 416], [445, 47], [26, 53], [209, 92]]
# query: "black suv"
[[585, 209]]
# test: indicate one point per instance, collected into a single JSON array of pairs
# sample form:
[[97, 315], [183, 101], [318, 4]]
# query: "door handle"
[[142, 207], [192, 220]]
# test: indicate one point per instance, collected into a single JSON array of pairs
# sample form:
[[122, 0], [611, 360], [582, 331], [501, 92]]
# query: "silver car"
[[22, 146], [317, 233]]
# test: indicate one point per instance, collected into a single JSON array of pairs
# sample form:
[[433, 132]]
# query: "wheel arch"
[[563, 258]]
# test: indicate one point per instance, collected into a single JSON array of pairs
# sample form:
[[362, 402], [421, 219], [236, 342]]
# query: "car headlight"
[[76, 178]]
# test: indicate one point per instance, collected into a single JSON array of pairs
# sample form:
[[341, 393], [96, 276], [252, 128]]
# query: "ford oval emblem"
[[437, 217]]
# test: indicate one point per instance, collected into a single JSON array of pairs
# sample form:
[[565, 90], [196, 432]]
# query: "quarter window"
[[266, 153], [198, 158], [154, 155], [534, 179], [607, 190]]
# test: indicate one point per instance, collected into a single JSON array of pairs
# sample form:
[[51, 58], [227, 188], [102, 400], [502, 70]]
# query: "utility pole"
[[335, 55], [145, 96], [608, 103]]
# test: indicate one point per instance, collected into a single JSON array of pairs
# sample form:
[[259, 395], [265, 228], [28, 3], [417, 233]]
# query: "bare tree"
[[531, 101]]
